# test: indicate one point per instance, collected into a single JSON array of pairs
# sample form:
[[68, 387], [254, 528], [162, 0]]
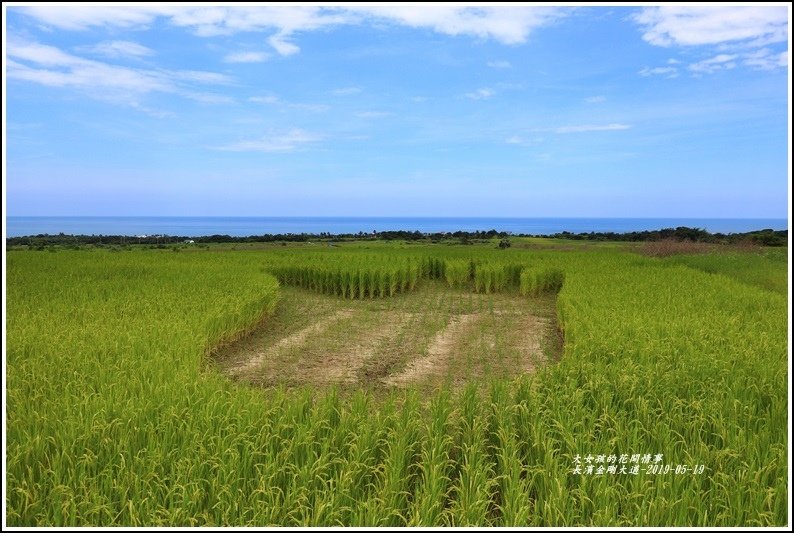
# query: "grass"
[[115, 418]]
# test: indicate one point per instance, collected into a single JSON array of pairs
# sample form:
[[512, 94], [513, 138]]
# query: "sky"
[[572, 111]]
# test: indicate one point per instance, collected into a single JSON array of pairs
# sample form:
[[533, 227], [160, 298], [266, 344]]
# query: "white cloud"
[[246, 57], [115, 49], [499, 64], [508, 25], [480, 94], [765, 59], [345, 91], [265, 99], [591, 127], [718, 62], [595, 99], [282, 46], [283, 21], [209, 98], [282, 142], [374, 114], [275, 100], [48, 65], [709, 25], [728, 31], [670, 72], [73, 71], [87, 16], [201, 76], [523, 141]]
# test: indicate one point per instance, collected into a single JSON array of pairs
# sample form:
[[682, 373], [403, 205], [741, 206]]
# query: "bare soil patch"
[[255, 360], [439, 353], [433, 336]]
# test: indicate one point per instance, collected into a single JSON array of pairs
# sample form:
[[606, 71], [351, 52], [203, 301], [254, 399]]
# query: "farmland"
[[395, 385]]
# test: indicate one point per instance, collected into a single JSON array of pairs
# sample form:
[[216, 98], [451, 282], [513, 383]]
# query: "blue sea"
[[245, 226]]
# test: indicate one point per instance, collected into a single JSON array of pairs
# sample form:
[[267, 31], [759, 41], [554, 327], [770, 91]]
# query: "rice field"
[[123, 408]]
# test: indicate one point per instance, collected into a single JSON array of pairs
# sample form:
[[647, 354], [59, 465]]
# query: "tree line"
[[765, 237]]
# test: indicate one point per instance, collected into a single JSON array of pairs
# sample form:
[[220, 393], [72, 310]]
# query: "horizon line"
[[412, 217]]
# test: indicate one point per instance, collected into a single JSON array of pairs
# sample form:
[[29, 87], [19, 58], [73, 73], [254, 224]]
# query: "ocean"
[[244, 226]]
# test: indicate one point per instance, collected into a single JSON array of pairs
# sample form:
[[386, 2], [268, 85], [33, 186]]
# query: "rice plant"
[[114, 417], [348, 277], [457, 272], [537, 281]]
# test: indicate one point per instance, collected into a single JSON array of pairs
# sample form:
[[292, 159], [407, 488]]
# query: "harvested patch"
[[433, 336], [286, 343], [343, 365], [529, 342], [439, 352]]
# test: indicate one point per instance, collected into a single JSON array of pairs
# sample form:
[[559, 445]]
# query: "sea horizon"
[[243, 226]]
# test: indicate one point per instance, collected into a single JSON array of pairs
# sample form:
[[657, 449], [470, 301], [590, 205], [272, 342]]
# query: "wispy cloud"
[[84, 17], [508, 25], [345, 91], [592, 127], [200, 76], [710, 25], [50, 66], [523, 141], [735, 35], [595, 99], [719, 62], [499, 64], [669, 72], [269, 99], [208, 98], [274, 142], [282, 45], [765, 59], [246, 57], [480, 94], [374, 114], [275, 100], [114, 49]]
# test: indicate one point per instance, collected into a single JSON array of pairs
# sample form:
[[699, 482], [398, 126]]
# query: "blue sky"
[[679, 111]]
